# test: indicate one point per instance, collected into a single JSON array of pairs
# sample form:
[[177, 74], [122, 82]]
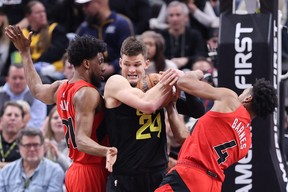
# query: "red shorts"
[[189, 178], [86, 178]]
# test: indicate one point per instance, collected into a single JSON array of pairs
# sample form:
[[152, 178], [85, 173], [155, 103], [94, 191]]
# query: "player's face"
[[97, 69], [133, 68]]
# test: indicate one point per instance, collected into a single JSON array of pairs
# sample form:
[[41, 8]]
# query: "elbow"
[[180, 140], [80, 144]]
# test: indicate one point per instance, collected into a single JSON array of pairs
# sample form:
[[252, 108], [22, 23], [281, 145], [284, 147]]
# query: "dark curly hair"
[[264, 98], [84, 47]]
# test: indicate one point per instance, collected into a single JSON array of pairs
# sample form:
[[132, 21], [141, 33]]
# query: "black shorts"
[[146, 182]]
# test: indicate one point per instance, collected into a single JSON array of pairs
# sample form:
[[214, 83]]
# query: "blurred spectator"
[[49, 40], [216, 6], [33, 172], [68, 69], [206, 66], [108, 26], [183, 44], [138, 11], [155, 46], [11, 118], [16, 88], [160, 21], [15, 12], [27, 110], [55, 144], [64, 12], [4, 41], [202, 16]]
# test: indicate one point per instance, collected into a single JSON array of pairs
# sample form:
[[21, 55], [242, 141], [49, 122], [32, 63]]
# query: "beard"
[[95, 80], [133, 84]]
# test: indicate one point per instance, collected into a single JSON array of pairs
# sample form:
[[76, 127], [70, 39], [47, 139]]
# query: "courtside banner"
[[248, 50]]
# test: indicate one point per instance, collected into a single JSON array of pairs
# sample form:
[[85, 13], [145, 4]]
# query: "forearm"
[[87, 145], [33, 79], [177, 124], [191, 106], [156, 96]]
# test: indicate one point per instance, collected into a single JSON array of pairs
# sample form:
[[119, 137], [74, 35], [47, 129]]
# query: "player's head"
[[84, 47], [263, 98], [133, 60], [86, 52]]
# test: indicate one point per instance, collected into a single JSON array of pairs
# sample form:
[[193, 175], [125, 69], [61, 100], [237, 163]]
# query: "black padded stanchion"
[[248, 49]]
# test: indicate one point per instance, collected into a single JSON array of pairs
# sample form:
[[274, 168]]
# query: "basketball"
[[149, 81]]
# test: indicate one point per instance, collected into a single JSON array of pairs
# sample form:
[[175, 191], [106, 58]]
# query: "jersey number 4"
[[221, 150]]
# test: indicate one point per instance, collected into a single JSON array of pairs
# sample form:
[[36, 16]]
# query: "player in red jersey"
[[219, 138], [80, 106]]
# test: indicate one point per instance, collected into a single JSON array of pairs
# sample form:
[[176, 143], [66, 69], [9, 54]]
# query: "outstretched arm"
[[225, 99], [45, 93]]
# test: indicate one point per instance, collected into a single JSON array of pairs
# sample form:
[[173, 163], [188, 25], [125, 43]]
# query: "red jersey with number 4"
[[66, 111], [218, 140]]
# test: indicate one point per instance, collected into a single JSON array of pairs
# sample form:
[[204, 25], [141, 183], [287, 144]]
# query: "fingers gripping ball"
[[149, 81]]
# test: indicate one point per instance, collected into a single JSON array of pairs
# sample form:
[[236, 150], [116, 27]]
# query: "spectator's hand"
[[191, 5], [52, 148], [15, 34], [111, 157], [180, 62]]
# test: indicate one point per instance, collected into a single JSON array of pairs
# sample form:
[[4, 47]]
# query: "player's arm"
[[85, 102], [176, 122], [45, 93], [191, 82], [117, 88]]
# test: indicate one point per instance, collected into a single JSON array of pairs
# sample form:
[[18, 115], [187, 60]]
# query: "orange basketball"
[[149, 81]]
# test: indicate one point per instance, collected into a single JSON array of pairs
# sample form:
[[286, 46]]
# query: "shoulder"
[[14, 166], [115, 78], [122, 21], [115, 83]]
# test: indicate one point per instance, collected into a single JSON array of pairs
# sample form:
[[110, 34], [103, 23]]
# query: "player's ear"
[[248, 99], [147, 63], [120, 62], [86, 63]]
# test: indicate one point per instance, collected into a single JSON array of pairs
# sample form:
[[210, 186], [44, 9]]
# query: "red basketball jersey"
[[66, 111], [218, 140]]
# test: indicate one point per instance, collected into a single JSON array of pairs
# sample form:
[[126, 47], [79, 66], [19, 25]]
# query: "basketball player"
[[219, 138], [136, 125], [80, 106]]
